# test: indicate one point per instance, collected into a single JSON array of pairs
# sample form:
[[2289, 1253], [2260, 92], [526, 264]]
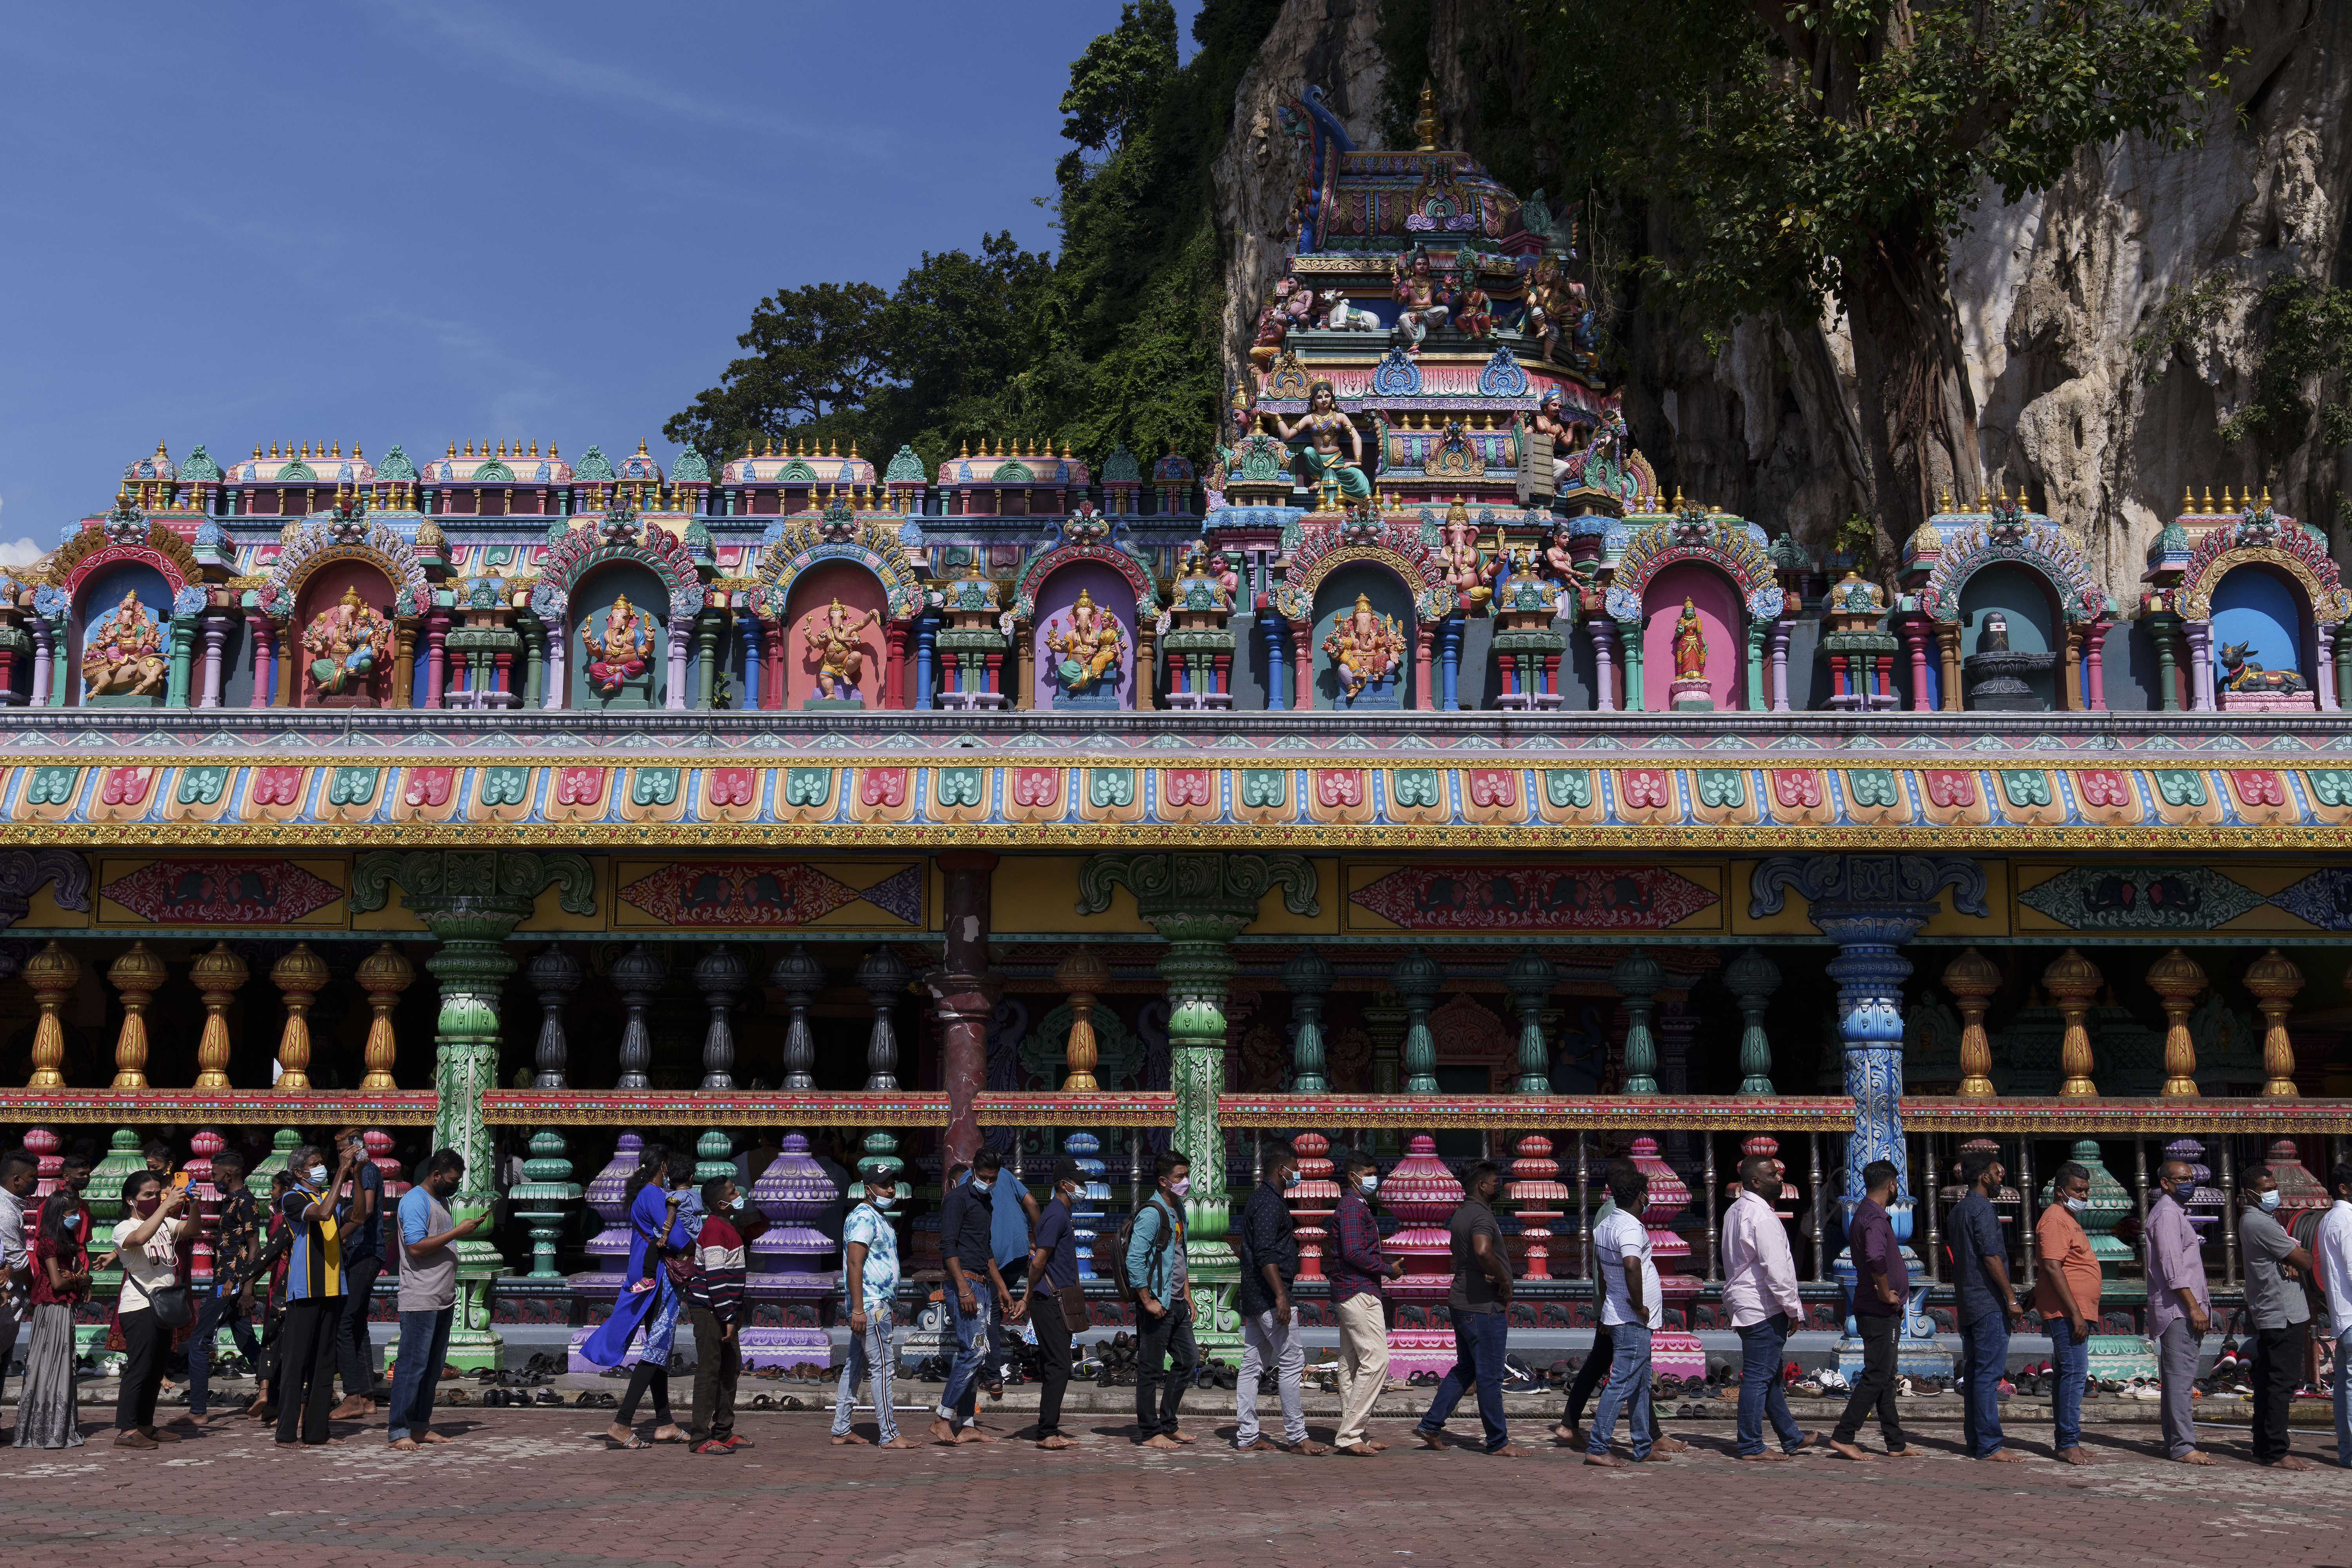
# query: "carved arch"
[[315, 543], [2040, 547], [582, 549], [2279, 543], [1721, 543]]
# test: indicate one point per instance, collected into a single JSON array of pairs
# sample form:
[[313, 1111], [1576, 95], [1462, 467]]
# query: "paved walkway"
[[538, 1488]]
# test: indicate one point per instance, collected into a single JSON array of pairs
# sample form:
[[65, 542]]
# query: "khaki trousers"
[[1363, 1363]]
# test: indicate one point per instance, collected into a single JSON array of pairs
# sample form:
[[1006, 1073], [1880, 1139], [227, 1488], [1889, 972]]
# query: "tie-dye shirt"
[[870, 1226]]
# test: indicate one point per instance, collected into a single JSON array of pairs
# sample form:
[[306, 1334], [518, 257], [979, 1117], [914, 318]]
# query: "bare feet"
[[1268, 1443], [352, 1409], [407, 1444], [1162, 1440], [2006, 1456], [845, 1439], [1908, 1451], [2288, 1462], [1508, 1452], [1354, 1451], [2194, 1457], [1306, 1445], [941, 1432], [1849, 1450], [1376, 1447], [1607, 1461], [1669, 1446], [901, 1441], [1430, 1441], [1058, 1441], [973, 1435], [1655, 1457], [1765, 1456], [1184, 1437], [430, 1435], [1562, 1432], [2072, 1457]]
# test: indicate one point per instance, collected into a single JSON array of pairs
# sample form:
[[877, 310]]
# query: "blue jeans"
[[1628, 1389], [1478, 1340], [2337, 1381], [424, 1351], [215, 1313], [1984, 1356], [1761, 1393], [971, 1332], [2070, 1364]]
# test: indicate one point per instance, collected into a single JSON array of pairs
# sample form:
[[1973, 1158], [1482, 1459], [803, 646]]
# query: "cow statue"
[[2240, 673]]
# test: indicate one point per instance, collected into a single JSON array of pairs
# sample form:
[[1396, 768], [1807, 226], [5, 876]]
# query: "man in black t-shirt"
[[1057, 1311], [1986, 1307]]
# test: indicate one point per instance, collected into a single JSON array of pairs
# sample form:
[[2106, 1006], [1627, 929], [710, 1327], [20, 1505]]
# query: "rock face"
[[2051, 291]]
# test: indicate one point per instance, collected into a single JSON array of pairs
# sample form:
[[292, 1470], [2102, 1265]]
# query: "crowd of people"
[[293, 1276]]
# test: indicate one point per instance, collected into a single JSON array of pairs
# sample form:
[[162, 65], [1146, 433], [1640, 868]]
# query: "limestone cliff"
[[2051, 291]]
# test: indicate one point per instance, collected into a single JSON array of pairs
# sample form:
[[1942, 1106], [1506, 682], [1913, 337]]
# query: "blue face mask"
[[2269, 1200], [980, 1187], [1289, 1180]]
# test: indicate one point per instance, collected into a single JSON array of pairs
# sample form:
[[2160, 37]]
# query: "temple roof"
[[499, 466]]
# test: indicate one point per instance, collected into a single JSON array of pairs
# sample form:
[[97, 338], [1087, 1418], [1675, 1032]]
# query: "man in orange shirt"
[[2068, 1296]]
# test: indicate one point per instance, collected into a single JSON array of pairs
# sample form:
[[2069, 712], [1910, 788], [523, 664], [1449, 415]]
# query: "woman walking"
[[62, 1268], [147, 1243], [656, 1234]]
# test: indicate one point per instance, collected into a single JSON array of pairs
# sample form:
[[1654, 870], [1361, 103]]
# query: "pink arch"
[[1721, 616]]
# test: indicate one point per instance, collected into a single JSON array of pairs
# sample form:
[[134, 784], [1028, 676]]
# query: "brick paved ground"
[[535, 1488]]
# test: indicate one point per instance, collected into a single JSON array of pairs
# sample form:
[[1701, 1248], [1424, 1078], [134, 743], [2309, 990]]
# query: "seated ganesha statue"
[[1364, 647], [124, 654], [345, 644], [617, 653], [1087, 648]]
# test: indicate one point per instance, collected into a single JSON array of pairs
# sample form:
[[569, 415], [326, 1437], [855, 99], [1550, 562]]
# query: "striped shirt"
[[314, 1264], [717, 1284]]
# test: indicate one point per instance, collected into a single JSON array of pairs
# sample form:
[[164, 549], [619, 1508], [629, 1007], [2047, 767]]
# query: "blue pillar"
[[1277, 633], [1449, 656], [926, 631], [749, 696]]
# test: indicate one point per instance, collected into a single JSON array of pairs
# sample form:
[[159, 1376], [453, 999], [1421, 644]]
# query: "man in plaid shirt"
[[1356, 1269]]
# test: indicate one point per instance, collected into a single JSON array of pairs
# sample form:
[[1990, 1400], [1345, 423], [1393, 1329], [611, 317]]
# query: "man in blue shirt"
[[1984, 1305]]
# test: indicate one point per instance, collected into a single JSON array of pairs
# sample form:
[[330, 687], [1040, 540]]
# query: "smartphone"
[[180, 1178]]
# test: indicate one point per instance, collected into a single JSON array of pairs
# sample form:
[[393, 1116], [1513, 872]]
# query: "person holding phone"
[[146, 1240], [428, 1296]]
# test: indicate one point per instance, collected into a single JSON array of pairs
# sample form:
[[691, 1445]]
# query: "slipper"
[[635, 1442]]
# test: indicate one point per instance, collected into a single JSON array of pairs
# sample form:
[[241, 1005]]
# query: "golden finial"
[[964, 450], [1424, 124], [2188, 501], [257, 451], [1984, 502], [1678, 498], [452, 449], [338, 451], [833, 446], [355, 452], [1943, 498], [2209, 501], [551, 453], [2227, 505], [641, 448], [2266, 497], [853, 448]]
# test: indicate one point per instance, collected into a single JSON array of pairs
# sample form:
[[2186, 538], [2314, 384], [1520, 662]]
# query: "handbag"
[[1073, 1299], [170, 1305]]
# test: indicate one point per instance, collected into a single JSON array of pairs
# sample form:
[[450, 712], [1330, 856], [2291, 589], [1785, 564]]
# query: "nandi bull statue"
[[2240, 673]]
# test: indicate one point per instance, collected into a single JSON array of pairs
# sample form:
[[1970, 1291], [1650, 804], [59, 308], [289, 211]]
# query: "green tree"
[[1119, 81], [1814, 150], [817, 356]]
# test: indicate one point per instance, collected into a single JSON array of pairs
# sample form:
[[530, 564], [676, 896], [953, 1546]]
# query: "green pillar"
[[1751, 979], [1198, 901], [1417, 977], [1307, 977], [471, 899], [1529, 978], [1639, 979]]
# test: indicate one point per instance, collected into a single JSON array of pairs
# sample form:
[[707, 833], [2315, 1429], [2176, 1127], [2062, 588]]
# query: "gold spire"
[[641, 449], [2266, 497], [1424, 124], [2226, 504], [2188, 501], [2208, 500], [338, 451], [1943, 498]]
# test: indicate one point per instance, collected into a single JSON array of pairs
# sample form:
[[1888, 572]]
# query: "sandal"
[[635, 1442]]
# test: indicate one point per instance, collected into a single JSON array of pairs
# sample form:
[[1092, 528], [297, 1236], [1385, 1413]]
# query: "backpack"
[[1125, 1235]]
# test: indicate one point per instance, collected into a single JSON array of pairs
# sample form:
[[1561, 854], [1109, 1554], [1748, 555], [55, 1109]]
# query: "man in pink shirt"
[[1759, 1287]]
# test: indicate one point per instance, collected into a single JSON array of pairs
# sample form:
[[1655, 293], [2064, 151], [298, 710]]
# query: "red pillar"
[[894, 679], [966, 993], [1425, 700], [2095, 651]]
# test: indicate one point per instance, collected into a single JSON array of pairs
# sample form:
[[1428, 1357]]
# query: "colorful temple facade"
[[1411, 771]]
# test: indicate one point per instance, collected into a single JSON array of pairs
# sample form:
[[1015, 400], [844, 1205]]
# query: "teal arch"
[[1336, 596]]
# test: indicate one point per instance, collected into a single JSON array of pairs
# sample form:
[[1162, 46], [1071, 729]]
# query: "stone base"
[[2270, 701], [855, 703], [786, 1348], [958, 700], [1095, 700], [1691, 696], [621, 701], [1186, 701], [1537, 701], [124, 699], [347, 700], [1913, 1358], [1983, 701], [1376, 694]]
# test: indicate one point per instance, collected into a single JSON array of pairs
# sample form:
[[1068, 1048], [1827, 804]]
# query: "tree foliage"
[[2306, 361]]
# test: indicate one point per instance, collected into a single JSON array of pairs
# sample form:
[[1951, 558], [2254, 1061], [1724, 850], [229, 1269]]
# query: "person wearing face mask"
[[1358, 1267], [1760, 1288], [1986, 1307], [1164, 1348], [1269, 1260], [976, 1292], [869, 1271], [2178, 1309], [146, 1240], [714, 1295], [304, 1387], [2068, 1294], [658, 1234], [61, 1267], [359, 1199], [1882, 1291], [1480, 1301], [1060, 1309], [428, 1296], [2276, 1266]]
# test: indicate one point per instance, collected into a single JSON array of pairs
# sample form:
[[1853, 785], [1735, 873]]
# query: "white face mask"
[[1368, 1183], [317, 1175], [884, 1201], [980, 1187], [2269, 1200], [2078, 1204]]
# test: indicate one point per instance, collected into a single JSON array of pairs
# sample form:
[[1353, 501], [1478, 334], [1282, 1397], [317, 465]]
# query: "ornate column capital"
[[1198, 895]]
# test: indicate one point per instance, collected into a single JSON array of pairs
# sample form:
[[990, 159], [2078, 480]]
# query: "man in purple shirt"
[[2177, 1307], [1357, 1268], [1881, 1289]]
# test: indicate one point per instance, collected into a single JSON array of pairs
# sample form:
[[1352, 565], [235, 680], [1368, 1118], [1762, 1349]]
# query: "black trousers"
[[7, 1347], [1164, 1353], [144, 1342], [718, 1362], [1876, 1385], [354, 1350], [1054, 1357], [653, 1375], [306, 1368], [1592, 1374], [2278, 1362]]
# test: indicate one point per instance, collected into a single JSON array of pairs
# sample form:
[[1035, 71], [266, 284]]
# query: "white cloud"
[[23, 553]]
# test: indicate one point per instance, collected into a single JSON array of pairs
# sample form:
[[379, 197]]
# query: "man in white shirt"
[[2331, 1252], [1632, 1308], [1759, 1288], [20, 1172]]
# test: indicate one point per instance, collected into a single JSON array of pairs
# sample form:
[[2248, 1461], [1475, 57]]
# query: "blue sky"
[[434, 220]]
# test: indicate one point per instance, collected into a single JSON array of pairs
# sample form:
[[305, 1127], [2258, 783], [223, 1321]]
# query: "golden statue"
[[1364, 646], [1090, 647], [124, 654], [831, 635], [617, 654], [345, 642]]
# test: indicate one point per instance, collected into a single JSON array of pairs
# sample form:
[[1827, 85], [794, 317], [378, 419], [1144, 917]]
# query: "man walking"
[[1059, 1311], [1357, 1268], [2276, 1267], [975, 1293], [2068, 1294], [1760, 1289], [1882, 1291], [1986, 1307], [360, 1196], [1632, 1309], [1164, 1348], [428, 1296], [228, 1304], [2178, 1310], [2332, 1254], [869, 1270], [1269, 1261], [1478, 1300], [714, 1296]]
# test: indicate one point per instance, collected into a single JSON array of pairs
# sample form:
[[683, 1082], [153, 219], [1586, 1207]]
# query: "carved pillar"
[[545, 1197], [45, 666], [138, 975], [2201, 665], [2073, 980], [800, 977], [1604, 674], [965, 994], [1947, 647], [706, 659], [1536, 1193], [637, 974], [720, 978], [555, 975], [437, 660], [1080, 976], [679, 633], [299, 976], [1972, 980], [884, 974], [265, 677], [1529, 978], [894, 677], [1780, 630], [1147, 659], [1302, 667], [1416, 977], [1425, 695], [2161, 629], [1638, 979], [215, 631], [1751, 979], [2095, 656], [1915, 643], [384, 974], [218, 976], [2177, 981], [2273, 979], [1307, 977], [403, 663]]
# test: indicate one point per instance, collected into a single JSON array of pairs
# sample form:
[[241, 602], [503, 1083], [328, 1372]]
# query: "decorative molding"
[[334, 536], [2035, 544]]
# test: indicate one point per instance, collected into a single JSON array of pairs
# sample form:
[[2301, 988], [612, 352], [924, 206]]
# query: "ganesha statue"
[[1366, 648], [345, 644], [617, 652], [1086, 653], [831, 637], [124, 656]]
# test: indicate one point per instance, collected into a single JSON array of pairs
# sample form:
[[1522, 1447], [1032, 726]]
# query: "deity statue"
[[1425, 305], [1547, 304], [1690, 644], [831, 635], [1273, 326], [345, 642], [1343, 315], [1476, 313], [1089, 650], [124, 654], [618, 653], [1365, 646], [1550, 421], [1323, 424], [1558, 565], [1459, 555]]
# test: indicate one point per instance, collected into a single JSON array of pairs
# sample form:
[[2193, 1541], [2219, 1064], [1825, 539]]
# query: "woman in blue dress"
[[657, 1230]]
